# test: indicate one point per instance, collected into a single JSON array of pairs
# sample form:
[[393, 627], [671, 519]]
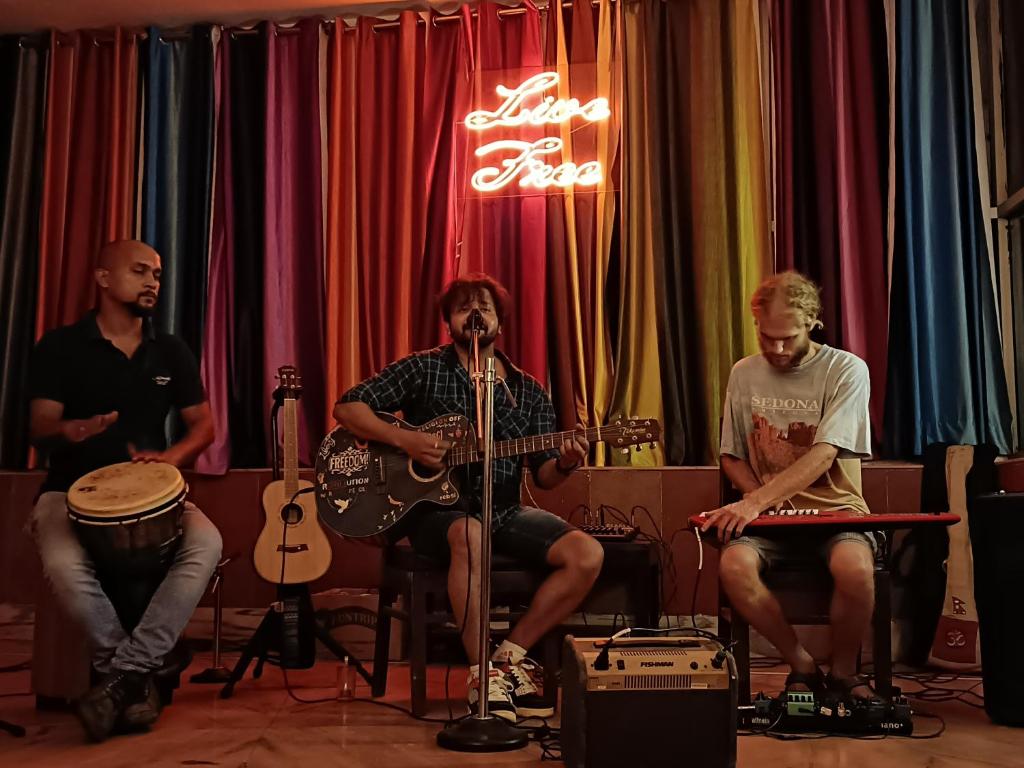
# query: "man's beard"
[[796, 358], [464, 339], [139, 310]]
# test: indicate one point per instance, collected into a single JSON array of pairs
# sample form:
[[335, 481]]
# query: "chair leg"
[[382, 641], [418, 645], [882, 651]]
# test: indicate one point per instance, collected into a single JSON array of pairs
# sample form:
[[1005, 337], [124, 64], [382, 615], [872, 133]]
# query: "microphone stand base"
[[482, 734]]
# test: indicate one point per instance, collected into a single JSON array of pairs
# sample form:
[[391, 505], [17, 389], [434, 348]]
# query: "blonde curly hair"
[[795, 290]]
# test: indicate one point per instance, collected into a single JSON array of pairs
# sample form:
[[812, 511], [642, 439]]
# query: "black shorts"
[[526, 535]]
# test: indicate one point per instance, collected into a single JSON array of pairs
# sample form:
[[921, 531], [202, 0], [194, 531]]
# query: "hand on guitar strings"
[[573, 452], [424, 448], [731, 519], [77, 430]]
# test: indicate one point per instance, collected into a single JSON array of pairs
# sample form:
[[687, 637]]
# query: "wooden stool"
[[629, 583]]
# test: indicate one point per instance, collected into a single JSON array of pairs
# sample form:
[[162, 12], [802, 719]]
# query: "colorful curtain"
[[310, 200], [177, 168], [832, 94], [232, 364], [701, 208], [582, 46], [293, 280], [946, 380], [394, 96], [89, 167], [218, 335], [504, 233], [22, 100]]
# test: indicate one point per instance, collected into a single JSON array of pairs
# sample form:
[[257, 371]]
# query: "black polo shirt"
[[75, 365]]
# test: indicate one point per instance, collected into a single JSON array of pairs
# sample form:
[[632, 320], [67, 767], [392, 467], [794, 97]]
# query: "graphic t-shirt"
[[772, 418]]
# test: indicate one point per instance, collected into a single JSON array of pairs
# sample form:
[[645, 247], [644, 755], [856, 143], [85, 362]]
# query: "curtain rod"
[[104, 37]]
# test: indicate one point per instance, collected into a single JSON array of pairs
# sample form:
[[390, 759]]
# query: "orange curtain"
[[89, 166], [393, 95], [582, 47]]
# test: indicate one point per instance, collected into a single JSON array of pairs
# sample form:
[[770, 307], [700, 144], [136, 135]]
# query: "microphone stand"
[[483, 732]]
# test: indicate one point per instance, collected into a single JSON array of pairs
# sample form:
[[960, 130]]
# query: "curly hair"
[[464, 288], [795, 290]]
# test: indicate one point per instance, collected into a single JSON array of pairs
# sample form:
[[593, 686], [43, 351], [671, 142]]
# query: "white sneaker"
[[526, 694], [499, 697]]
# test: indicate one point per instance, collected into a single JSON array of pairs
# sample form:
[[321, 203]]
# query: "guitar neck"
[[291, 447], [523, 445]]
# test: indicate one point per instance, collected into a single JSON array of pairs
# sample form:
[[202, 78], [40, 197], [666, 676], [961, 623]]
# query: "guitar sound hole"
[[291, 514], [423, 473]]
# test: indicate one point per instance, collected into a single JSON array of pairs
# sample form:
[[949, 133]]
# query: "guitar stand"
[[294, 609], [288, 633]]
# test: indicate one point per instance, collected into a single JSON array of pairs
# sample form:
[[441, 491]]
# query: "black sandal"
[[814, 681], [843, 687]]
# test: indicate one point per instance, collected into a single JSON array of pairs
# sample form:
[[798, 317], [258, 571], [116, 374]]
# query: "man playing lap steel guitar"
[[436, 382], [795, 426]]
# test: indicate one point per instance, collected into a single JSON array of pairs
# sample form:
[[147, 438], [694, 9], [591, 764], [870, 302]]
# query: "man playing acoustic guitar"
[[436, 382]]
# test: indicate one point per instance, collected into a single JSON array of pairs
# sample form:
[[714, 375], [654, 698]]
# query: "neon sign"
[[526, 164]]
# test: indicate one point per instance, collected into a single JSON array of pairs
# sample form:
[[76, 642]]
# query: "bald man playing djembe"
[[100, 392]]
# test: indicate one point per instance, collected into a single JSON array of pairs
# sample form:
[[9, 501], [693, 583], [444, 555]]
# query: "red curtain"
[[505, 232], [89, 167], [394, 94], [832, 120]]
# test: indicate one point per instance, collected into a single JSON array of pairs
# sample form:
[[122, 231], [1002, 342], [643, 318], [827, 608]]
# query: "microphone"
[[475, 322]]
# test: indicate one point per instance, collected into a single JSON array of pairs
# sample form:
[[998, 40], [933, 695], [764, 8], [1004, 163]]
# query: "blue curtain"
[[946, 381], [177, 175]]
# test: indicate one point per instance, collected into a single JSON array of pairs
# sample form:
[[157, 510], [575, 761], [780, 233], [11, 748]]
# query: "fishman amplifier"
[[668, 701]]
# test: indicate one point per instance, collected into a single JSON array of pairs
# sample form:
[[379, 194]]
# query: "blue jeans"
[[72, 577]]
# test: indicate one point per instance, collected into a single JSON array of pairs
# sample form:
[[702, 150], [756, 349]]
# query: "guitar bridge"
[[291, 549]]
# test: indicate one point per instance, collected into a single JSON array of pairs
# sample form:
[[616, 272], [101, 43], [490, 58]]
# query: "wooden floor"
[[262, 726]]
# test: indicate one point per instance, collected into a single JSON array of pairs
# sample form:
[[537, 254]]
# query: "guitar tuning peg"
[[640, 447], [625, 451]]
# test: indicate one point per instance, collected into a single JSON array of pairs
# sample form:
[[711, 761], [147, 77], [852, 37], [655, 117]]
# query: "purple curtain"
[[218, 338], [293, 287]]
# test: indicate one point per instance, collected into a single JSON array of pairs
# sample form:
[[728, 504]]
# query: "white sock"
[[474, 671], [509, 653]]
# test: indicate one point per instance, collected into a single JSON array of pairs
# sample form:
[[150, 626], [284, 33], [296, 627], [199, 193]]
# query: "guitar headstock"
[[623, 433], [291, 382]]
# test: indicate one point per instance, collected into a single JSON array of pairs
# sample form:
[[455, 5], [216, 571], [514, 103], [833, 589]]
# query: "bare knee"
[[464, 539], [852, 566], [589, 558], [578, 554], [739, 570]]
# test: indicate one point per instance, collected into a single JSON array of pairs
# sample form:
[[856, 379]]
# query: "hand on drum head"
[[148, 456], [77, 430]]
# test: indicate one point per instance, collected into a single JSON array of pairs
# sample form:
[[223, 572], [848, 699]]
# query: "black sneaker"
[[499, 698], [102, 705], [525, 681]]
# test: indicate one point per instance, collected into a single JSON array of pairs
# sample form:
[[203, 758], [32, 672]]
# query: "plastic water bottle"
[[346, 681]]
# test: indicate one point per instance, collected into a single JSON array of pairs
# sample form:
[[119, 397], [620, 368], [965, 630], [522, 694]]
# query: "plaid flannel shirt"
[[433, 383]]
